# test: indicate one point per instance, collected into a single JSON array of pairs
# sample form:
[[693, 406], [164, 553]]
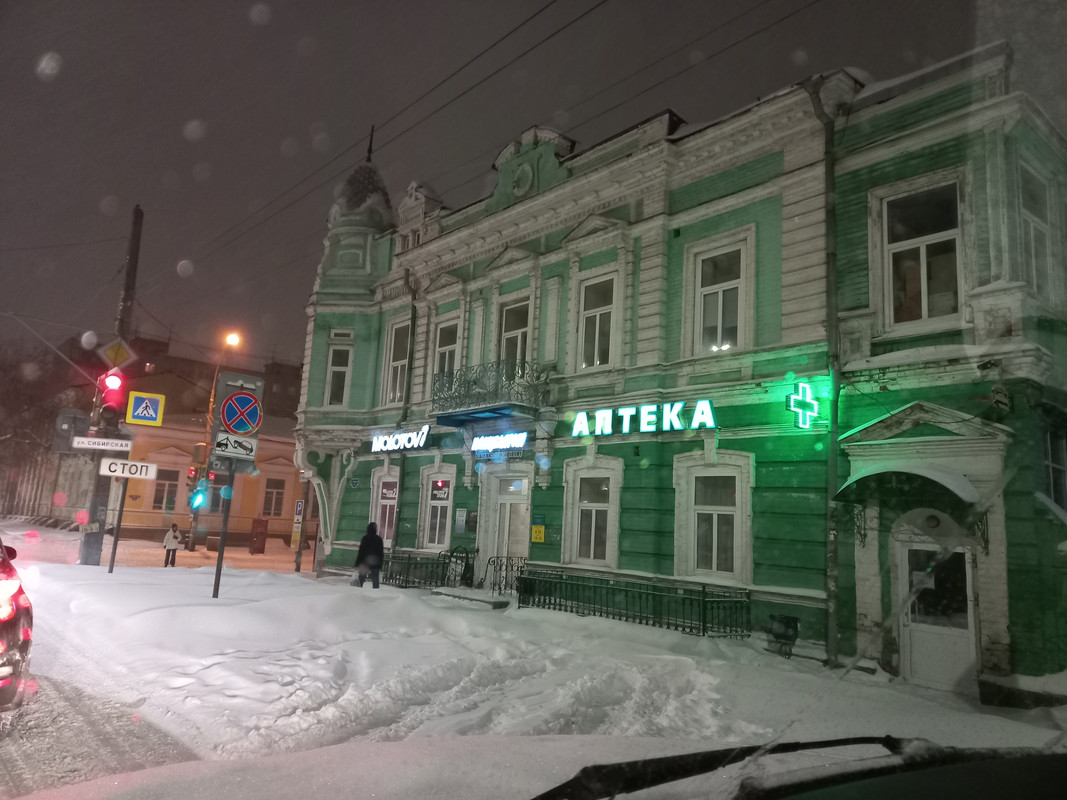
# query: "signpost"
[[145, 408], [117, 468], [93, 443]]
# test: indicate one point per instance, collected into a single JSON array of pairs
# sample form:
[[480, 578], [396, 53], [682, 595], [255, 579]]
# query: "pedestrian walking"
[[171, 540], [369, 558]]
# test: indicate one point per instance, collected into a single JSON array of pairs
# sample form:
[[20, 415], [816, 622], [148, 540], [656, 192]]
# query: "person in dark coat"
[[370, 555]]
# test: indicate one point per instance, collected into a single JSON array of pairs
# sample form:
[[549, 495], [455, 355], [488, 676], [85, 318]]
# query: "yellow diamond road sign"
[[116, 353], [145, 408]]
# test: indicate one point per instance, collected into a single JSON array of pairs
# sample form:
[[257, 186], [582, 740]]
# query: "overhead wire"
[[392, 118], [668, 78], [409, 128], [60, 245]]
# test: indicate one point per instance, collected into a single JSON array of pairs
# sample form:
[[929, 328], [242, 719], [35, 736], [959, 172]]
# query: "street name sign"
[[92, 443], [117, 468]]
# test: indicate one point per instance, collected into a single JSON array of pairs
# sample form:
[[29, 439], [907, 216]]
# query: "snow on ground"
[[281, 663]]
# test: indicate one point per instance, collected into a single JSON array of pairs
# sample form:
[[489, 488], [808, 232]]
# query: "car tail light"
[[9, 596]]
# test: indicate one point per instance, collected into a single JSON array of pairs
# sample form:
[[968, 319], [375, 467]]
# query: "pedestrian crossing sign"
[[145, 408]]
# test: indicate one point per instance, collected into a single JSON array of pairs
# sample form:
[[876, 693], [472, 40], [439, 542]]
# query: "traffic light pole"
[[226, 498], [118, 527]]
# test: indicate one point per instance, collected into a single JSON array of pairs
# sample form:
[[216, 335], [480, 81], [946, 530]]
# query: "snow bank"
[[281, 663]]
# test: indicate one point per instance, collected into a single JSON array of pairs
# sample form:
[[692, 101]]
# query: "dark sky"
[[207, 111]]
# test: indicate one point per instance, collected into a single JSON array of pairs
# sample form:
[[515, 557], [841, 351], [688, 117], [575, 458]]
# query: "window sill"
[[907, 330]]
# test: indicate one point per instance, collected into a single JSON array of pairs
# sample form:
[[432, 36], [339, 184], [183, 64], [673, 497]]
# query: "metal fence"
[[502, 573], [695, 609], [408, 569]]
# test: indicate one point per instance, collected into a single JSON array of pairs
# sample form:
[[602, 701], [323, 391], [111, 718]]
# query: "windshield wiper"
[[607, 780]]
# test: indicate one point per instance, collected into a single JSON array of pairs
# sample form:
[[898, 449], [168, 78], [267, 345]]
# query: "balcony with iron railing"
[[491, 390]]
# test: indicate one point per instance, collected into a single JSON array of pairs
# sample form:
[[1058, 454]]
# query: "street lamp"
[[231, 340]]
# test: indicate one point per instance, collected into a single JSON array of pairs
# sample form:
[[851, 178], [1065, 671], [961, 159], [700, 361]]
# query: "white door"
[[937, 642], [506, 512]]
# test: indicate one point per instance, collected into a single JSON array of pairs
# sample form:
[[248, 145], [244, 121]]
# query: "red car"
[[16, 633]]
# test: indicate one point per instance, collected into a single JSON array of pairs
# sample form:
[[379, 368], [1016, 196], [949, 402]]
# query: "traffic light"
[[199, 495], [112, 396], [192, 473]]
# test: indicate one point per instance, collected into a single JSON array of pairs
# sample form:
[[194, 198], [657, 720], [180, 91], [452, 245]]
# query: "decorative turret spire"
[[370, 144]]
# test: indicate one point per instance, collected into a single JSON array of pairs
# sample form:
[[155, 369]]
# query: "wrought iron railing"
[[495, 383], [695, 609], [409, 568], [502, 573]]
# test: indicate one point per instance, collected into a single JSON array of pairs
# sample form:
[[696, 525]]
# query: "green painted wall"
[[728, 182], [366, 345], [447, 308], [766, 216], [515, 285], [853, 217], [598, 259], [546, 173], [561, 270]]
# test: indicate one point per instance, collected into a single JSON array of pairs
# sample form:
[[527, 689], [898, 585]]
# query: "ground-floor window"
[[712, 515], [385, 490], [166, 491], [435, 512], [592, 487]]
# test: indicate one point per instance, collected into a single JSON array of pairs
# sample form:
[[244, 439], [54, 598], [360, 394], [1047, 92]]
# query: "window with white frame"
[[712, 515], [166, 490], [338, 368], [217, 490], [439, 512], [396, 364], [922, 240], [447, 347], [597, 301], [385, 490], [273, 497], [719, 299], [514, 331], [594, 495], [1035, 230], [1056, 464], [591, 499]]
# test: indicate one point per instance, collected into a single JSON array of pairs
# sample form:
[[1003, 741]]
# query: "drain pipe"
[[813, 86]]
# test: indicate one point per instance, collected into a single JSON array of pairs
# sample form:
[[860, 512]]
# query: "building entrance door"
[[937, 643], [506, 544]]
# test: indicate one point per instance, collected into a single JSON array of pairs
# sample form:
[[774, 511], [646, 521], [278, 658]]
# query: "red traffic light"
[[113, 391], [113, 380], [192, 472], [211, 475]]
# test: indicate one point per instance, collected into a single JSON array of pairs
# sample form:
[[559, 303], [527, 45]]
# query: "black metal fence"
[[408, 569], [479, 385], [692, 608], [502, 573]]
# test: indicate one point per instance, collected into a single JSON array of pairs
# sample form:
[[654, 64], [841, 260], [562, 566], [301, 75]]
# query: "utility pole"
[[92, 542]]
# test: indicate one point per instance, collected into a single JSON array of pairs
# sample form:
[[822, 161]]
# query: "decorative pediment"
[[925, 420], [511, 255], [592, 225], [441, 283], [277, 461], [170, 452]]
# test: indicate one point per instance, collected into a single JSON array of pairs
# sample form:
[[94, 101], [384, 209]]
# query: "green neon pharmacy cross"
[[803, 405]]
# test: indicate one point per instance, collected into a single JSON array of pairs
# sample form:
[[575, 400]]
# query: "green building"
[[617, 373]]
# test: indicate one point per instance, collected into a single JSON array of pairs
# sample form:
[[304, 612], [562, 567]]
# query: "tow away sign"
[[235, 446], [118, 468]]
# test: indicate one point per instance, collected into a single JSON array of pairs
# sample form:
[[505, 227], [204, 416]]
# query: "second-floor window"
[[447, 345], [514, 332], [1035, 231], [397, 364], [718, 300], [166, 490], [273, 497], [922, 243], [595, 322], [338, 373]]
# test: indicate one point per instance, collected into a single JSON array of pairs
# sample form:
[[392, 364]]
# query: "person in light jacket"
[[370, 555], [171, 540]]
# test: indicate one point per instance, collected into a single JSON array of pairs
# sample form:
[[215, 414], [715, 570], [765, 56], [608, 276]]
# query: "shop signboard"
[[648, 418]]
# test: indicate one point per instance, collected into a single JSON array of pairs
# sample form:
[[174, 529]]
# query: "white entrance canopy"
[[955, 481]]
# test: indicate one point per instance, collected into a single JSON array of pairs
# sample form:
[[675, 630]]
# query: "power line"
[[718, 52], [361, 140], [61, 245], [415, 124], [717, 27], [670, 77]]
